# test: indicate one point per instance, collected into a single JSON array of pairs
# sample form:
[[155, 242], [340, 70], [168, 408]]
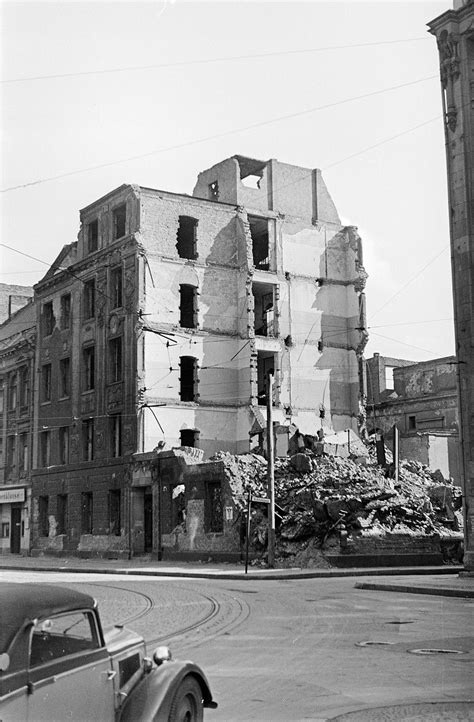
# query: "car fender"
[[154, 694]]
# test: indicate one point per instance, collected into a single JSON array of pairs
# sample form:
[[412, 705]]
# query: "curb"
[[437, 591]]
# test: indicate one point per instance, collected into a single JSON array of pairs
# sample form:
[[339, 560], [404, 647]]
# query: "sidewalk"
[[423, 580]]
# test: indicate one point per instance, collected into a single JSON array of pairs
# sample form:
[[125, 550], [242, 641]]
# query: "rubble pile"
[[318, 495]]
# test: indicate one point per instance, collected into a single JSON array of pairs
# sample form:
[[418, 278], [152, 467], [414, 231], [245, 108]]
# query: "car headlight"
[[162, 654]]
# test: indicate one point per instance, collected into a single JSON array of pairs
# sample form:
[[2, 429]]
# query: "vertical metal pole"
[[270, 474], [396, 452], [249, 506]]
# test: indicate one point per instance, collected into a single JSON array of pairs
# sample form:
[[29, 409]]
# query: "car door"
[[69, 674]]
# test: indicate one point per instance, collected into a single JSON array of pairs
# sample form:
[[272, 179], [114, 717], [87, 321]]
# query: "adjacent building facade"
[[158, 328], [454, 32]]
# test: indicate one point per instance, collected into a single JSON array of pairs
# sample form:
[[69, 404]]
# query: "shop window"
[[61, 514], [189, 437], [64, 377], [188, 378], [116, 287], [45, 448], [88, 365], [119, 221], [116, 435], [214, 518], [188, 306], [260, 242], [46, 383], [89, 299], [115, 521], [92, 236], [115, 359], [187, 238], [87, 512], [48, 319], [88, 439], [64, 445], [66, 311], [43, 515]]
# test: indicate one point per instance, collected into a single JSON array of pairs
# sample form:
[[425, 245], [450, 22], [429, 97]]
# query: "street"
[[294, 649]]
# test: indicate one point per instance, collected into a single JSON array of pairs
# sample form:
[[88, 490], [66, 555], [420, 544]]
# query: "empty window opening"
[[411, 423], [260, 242], [214, 517], [187, 238], [24, 452], [88, 439], [120, 221], [116, 287], [64, 377], [187, 306], [43, 515], [87, 512], [61, 514], [213, 191], [11, 454], [89, 299], [389, 384], [45, 448], [252, 181], [116, 435], [64, 445], [189, 437], [114, 512], [66, 311], [266, 363], [88, 358], [46, 383], [188, 378], [115, 359], [264, 309], [92, 236], [48, 319]]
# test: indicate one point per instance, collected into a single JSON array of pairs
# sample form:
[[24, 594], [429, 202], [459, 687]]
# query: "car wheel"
[[187, 702]]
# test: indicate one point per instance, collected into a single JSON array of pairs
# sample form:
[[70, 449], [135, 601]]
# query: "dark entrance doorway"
[[15, 538], [148, 519]]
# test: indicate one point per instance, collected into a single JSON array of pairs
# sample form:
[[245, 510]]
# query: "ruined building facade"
[[157, 329], [454, 32]]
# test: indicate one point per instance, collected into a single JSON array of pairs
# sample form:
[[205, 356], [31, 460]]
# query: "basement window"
[[187, 238], [260, 242], [264, 309], [188, 378], [188, 306], [119, 221], [189, 437], [266, 363]]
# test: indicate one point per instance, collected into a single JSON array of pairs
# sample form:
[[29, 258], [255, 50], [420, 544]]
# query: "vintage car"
[[57, 663]]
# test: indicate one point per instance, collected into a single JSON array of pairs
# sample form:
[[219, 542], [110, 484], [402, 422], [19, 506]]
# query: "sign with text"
[[11, 496]]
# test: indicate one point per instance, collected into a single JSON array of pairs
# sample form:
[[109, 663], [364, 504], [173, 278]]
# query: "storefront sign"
[[10, 496]]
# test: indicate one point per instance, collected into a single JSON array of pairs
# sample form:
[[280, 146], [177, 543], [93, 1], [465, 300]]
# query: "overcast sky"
[[184, 117]]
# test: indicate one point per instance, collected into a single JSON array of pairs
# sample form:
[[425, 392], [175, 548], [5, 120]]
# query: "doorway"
[[15, 538]]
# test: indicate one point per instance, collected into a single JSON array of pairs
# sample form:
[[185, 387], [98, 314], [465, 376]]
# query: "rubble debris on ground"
[[316, 493]]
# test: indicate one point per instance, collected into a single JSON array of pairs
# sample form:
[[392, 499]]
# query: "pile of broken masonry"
[[316, 494]]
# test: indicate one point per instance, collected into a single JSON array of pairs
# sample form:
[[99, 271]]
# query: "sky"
[[154, 92]]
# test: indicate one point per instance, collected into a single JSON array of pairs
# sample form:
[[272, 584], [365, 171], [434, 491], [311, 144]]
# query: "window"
[[48, 319], [61, 514], [89, 299], [12, 391], [116, 435], [92, 236], [187, 306], [187, 238], [43, 515], [119, 221], [24, 386], [24, 452], [64, 377], [214, 512], [188, 378], [46, 383], [115, 359], [66, 311], [88, 439], [64, 445], [260, 242], [2, 396], [87, 512], [264, 309], [189, 437], [411, 423], [88, 359], [45, 448], [266, 363], [11, 453], [68, 634], [116, 287], [213, 191], [114, 512]]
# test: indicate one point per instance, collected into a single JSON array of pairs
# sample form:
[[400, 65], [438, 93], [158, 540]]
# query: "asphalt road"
[[309, 649]]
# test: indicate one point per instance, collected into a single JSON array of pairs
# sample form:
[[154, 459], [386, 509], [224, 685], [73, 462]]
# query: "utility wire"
[[223, 134], [205, 61]]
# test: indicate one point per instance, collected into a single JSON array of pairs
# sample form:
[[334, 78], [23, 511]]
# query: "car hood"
[[119, 638]]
